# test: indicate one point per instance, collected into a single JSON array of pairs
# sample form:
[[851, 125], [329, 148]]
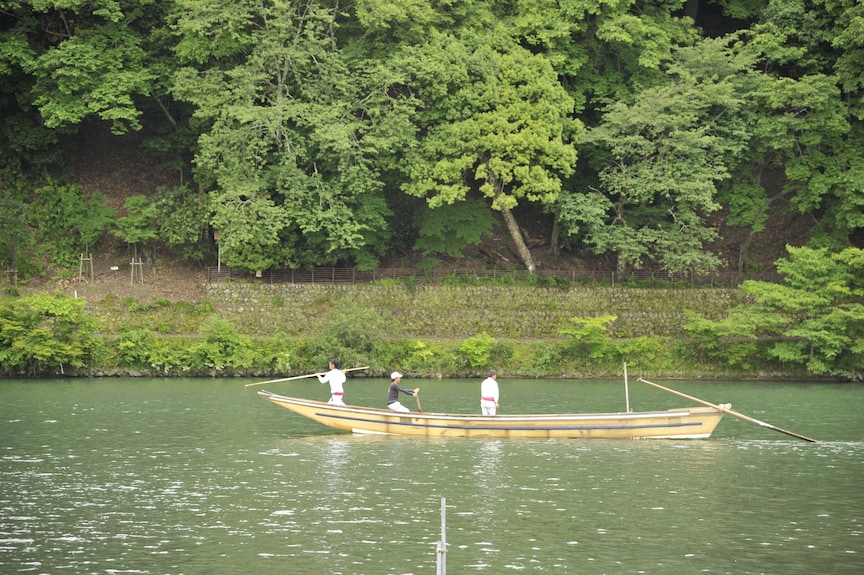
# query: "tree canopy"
[[318, 132], [815, 317]]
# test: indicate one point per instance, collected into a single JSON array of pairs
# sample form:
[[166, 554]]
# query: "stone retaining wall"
[[464, 311]]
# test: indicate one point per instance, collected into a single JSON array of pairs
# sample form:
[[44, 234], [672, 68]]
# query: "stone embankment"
[[514, 312]]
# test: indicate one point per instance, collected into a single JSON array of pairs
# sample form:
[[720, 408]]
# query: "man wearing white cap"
[[393, 393]]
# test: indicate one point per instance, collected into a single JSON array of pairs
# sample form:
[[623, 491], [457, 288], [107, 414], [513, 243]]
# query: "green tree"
[[16, 237], [138, 226], [591, 336], [603, 50], [182, 217], [90, 219], [843, 31], [290, 130], [819, 307], [82, 58], [815, 317], [41, 334], [67, 222], [804, 148], [733, 339], [664, 155], [494, 120], [449, 228]]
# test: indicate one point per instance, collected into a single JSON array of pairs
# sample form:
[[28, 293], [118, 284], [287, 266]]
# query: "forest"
[[323, 132], [313, 132]]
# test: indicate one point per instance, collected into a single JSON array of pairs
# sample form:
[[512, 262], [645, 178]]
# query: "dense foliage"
[[53, 335], [814, 318], [45, 334], [811, 322], [319, 132]]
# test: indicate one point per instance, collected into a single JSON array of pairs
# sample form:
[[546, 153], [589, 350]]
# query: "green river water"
[[201, 476]]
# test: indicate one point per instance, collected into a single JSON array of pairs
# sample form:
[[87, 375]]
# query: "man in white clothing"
[[335, 377], [489, 394]]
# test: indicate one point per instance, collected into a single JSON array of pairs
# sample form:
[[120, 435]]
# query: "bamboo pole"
[[302, 376], [730, 412]]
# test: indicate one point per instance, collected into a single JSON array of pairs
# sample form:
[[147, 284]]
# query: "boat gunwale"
[[535, 417]]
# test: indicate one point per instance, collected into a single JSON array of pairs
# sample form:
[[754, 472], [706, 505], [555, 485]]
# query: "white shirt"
[[489, 388], [336, 377]]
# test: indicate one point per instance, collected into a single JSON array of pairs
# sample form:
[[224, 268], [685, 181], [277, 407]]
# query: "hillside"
[[120, 167]]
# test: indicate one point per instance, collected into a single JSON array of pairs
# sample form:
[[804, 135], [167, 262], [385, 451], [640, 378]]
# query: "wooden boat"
[[694, 423]]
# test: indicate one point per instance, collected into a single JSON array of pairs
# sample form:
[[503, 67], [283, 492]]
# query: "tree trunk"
[[521, 247], [553, 239], [621, 264], [744, 251], [691, 9], [11, 271]]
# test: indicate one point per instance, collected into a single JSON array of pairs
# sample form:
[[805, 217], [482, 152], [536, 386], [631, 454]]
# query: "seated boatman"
[[395, 389]]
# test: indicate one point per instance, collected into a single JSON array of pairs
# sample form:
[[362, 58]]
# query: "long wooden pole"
[[730, 412], [417, 397], [301, 376]]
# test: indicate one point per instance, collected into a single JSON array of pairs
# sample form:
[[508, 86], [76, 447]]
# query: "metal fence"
[[334, 275]]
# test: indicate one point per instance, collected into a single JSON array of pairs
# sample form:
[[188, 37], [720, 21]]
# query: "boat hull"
[[695, 423]]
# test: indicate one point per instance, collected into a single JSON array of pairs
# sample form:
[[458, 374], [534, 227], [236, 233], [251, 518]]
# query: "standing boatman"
[[489, 394], [336, 378]]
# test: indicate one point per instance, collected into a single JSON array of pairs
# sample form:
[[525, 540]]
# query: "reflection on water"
[[197, 477]]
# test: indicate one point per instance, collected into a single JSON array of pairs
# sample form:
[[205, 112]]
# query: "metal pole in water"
[[442, 545]]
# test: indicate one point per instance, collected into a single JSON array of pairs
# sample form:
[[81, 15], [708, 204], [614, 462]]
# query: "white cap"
[[395, 374]]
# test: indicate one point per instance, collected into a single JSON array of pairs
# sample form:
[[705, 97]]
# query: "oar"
[[417, 397], [301, 376], [729, 411]]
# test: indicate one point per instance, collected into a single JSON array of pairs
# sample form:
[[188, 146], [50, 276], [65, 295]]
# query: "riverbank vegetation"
[[812, 325], [54, 335]]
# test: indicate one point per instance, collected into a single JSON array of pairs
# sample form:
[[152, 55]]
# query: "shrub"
[[222, 348], [41, 334], [134, 346], [591, 337], [431, 358], [477, 350], [350, 333], [536, 359]]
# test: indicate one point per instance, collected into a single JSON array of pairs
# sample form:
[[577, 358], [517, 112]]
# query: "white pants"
[[487, 407], [336, 400], [396, 406]]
